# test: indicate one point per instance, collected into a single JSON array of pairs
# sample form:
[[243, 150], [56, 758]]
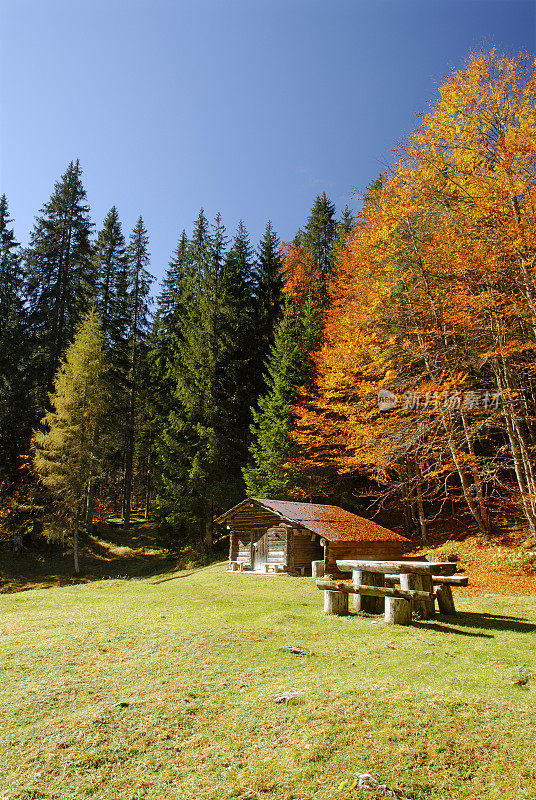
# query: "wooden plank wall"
[[248, 525], [306, 549], [240, 547], [276, 551], [376, 551]]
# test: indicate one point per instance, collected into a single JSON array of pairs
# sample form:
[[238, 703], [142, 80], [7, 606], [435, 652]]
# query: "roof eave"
[[248, 501]]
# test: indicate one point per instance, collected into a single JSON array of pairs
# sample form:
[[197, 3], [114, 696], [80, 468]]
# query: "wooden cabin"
[[281, 536]]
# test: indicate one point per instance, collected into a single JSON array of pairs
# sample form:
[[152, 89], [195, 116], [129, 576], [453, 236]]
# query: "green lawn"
[[164, 688]]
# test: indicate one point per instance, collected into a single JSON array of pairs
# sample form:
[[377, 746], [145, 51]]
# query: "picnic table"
[[374, 588]]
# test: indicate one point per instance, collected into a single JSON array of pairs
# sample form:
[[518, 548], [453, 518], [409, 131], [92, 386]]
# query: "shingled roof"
[[331, 522]]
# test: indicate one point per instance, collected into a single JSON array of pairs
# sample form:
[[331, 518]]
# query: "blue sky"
[[248, 107]]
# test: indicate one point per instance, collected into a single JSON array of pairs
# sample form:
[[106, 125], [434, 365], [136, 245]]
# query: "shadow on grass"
[[482, 622], [187, 574], [109, 553]]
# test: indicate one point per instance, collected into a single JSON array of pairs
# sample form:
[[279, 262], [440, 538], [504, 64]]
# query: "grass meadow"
[[163, 688]]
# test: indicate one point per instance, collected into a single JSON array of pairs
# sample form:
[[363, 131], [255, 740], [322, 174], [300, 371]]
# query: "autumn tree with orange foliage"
[[434, 299]]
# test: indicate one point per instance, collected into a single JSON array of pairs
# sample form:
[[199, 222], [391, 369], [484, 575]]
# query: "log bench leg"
[[398, 611], [335, 603], [317, 569], [422, 583], [445, 600], [372, 605]]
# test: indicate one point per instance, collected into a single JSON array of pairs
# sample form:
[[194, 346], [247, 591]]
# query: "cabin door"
[[259, 553]]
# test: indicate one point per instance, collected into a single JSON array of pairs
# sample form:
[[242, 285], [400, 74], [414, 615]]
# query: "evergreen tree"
[[163, 344], [138, 298], [112, 305], [345, 223], [319, 234], [109, 261], [202, 444], [344, 226], [15, 405], [238, 389], [171, 307], [60, 275], [268, 299], [297, 336], [65, 452], [288, 368]]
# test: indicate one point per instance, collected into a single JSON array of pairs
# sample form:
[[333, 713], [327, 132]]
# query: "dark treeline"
[[199, 386]]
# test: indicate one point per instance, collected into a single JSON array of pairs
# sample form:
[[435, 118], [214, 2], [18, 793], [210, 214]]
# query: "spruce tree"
[[268, 301], [238, 385], [112, 305], [288, 368], [16, 409], [344, 226], [60, 276], [138, 300], [65, 450], [172, 305], [318, 236], [202, 445], [109, 259]]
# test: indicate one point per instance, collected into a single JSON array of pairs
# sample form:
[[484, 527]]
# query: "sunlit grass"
[[164, 688]]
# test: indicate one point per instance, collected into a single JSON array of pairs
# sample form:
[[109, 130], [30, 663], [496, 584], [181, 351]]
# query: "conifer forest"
[[383, 358]]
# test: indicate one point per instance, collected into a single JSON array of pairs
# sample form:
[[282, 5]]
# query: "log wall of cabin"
[[375, 551], [249, 525], [240, 549], [276, 545], [306, 548]]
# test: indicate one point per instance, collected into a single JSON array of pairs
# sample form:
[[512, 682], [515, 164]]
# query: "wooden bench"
[[238, 566], [275, 567], [443, 592], [398, 602], [421, 583], [396, 613]]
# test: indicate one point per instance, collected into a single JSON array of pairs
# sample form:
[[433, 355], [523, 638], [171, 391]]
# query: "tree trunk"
[[90, 505], [148, 483], [420, 504], [371, 605], [129, 460], [445, 600], [209, 528], [90, 494], [75, 544], [419, 583]]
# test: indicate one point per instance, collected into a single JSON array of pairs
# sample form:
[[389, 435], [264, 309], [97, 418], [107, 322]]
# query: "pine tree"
[[109, 261], [318, 236], [288, 368], [308, 266], [268, 300], [65, 455], [202, 445], [15, 404], [139, 287], [60, 276]]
